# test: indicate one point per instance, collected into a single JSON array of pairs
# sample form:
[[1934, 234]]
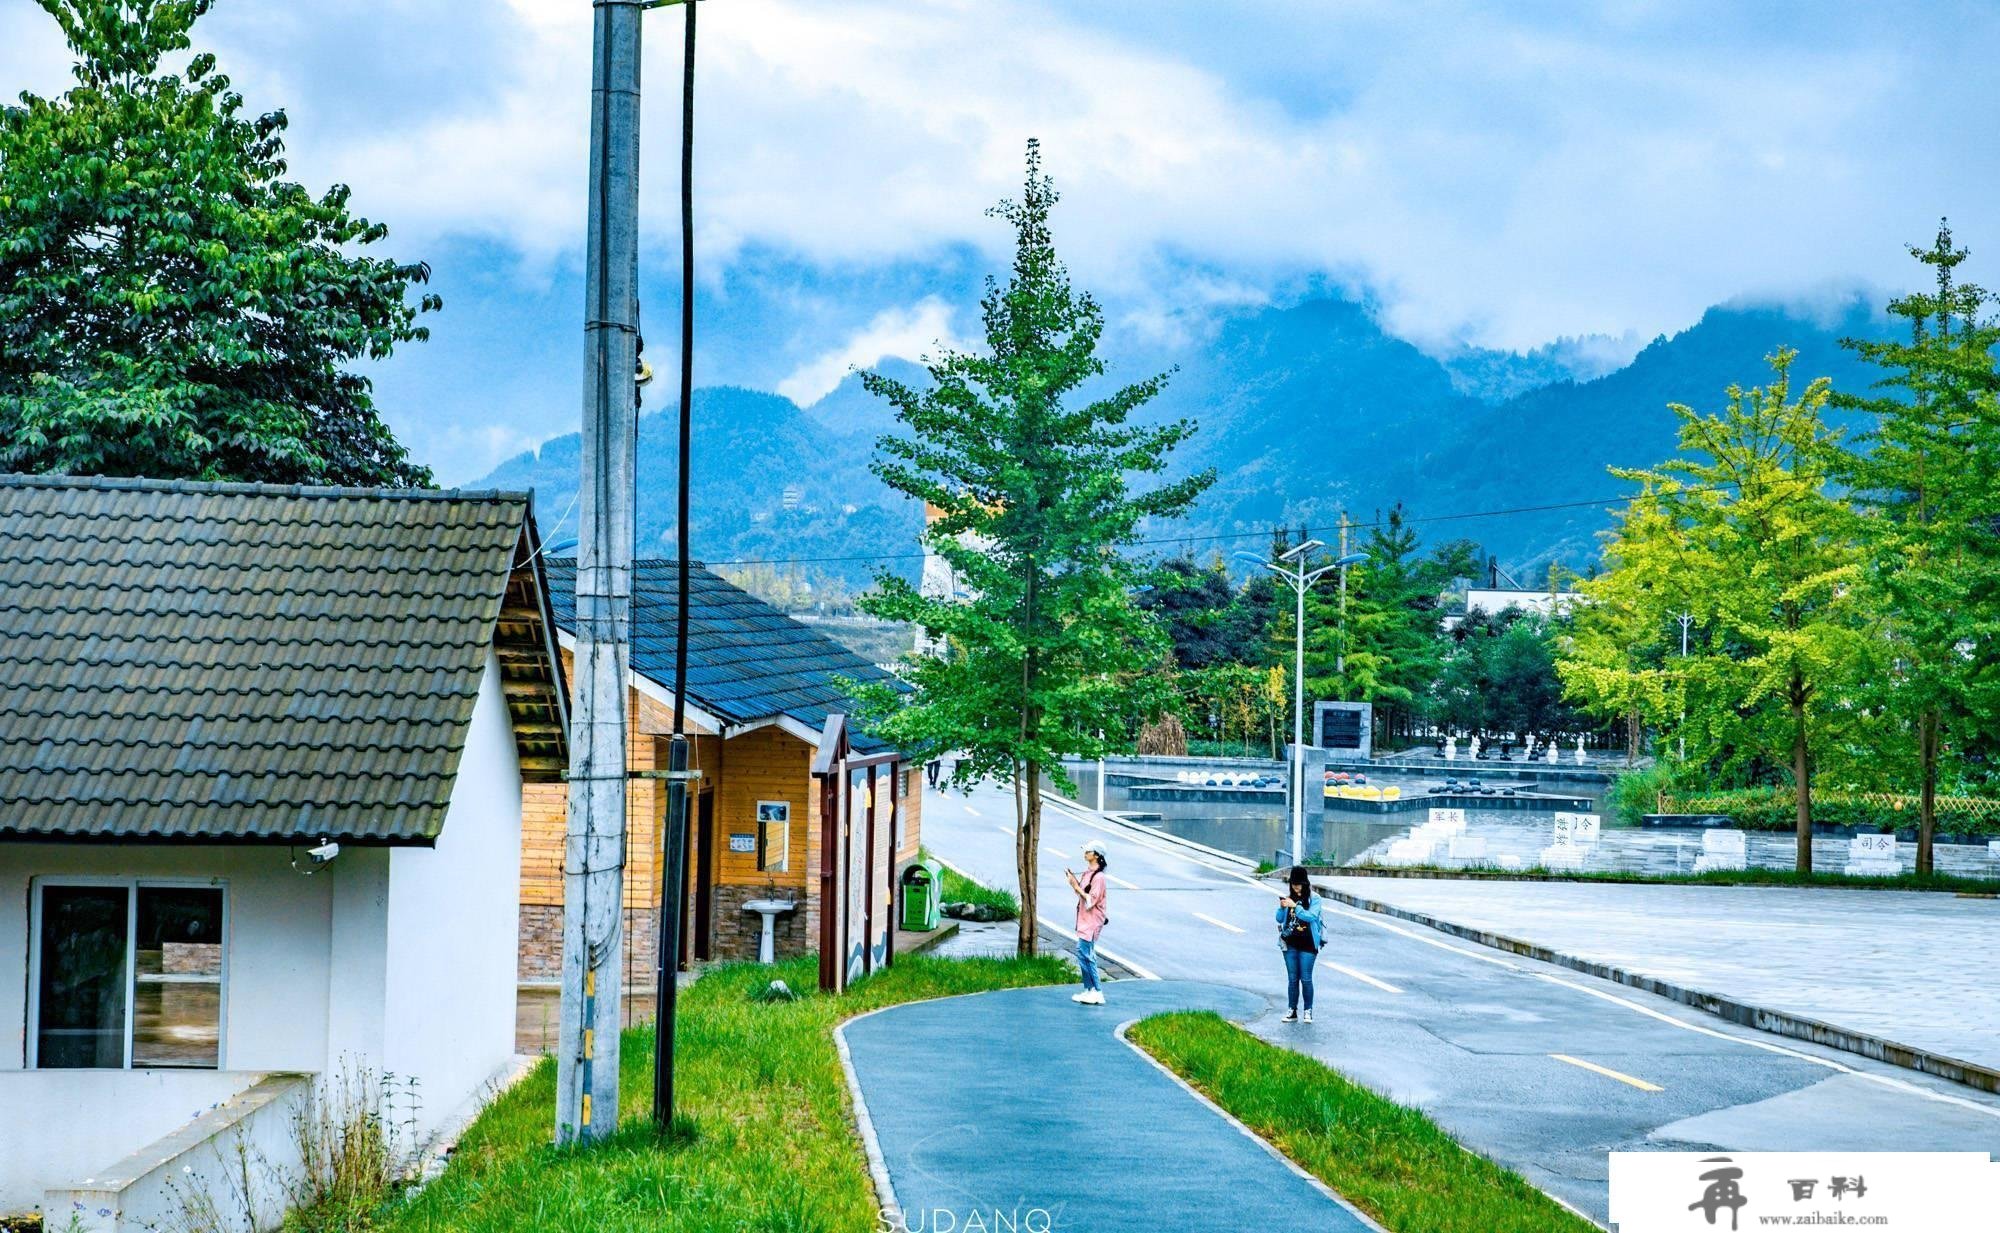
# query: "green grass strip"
[[765, 1143], [960, 889], [1391, 1161]]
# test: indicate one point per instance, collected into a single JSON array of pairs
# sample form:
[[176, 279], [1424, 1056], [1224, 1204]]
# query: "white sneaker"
[[1097, 997], [1308, 1016], [1291, 1016], [1080, 996]]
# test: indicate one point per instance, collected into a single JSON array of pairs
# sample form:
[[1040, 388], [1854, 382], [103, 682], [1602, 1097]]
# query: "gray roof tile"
[[183, 660], [747, 661]]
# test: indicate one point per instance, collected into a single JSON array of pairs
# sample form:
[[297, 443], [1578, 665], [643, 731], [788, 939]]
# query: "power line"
[[1266, 532]]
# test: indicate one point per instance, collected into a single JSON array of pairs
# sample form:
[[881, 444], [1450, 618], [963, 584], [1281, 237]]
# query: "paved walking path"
[[1914, 967], [1058, 1116]]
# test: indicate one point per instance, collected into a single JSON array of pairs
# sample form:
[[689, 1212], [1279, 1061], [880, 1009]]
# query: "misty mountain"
[[1303, 411]]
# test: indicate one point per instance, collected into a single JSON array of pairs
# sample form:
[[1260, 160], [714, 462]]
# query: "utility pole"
[[666, 976], [594, 842]]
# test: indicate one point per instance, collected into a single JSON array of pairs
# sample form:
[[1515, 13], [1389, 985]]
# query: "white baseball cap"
[[1094, 846]]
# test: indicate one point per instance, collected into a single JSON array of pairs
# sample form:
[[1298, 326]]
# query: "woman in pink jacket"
[[1090, 919]]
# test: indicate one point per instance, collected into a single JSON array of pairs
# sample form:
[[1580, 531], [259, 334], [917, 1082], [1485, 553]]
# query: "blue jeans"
[[1086, 962], [1298, 976]]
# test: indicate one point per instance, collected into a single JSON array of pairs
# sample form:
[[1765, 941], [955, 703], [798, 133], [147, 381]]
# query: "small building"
[[1494, 600], [261, 760], [760, 688]]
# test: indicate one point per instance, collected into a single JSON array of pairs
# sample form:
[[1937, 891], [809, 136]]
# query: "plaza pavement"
[[1913, 967], [1063, 1126]]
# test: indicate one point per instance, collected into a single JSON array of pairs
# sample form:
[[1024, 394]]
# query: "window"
[[128, 975]]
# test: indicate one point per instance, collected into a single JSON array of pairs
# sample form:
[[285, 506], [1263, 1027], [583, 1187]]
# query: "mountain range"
[[1304, 411]]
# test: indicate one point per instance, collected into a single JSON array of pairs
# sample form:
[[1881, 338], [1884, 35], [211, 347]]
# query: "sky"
[[1493, 175]]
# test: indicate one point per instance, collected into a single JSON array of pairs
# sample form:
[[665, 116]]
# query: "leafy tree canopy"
[[170, 304], [1049, 656]]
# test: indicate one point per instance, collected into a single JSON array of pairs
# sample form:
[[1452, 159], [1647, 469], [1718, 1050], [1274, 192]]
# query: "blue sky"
[[1491, 174]]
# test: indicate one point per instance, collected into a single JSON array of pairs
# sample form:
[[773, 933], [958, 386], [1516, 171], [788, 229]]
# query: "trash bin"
[[923, 896]]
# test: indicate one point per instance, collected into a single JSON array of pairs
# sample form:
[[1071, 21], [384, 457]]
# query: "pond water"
[[1257, 828]]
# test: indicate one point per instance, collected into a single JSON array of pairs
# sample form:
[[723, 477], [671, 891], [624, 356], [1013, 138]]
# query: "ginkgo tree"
[[1744, 531], [1047, 654]]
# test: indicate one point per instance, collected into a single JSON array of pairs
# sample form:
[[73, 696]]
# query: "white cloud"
[[1488, 174], [903, 333]]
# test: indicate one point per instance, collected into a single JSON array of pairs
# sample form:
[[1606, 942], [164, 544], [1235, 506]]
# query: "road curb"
[[1763, 1018]]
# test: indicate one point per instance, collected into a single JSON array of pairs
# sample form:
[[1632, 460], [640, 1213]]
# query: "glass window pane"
[[81, 998], [177, 977]]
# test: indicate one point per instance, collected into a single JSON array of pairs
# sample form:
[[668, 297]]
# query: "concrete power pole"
[[594, 845]]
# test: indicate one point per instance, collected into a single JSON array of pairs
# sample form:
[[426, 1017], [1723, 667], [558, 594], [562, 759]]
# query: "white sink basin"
[[770, 910]]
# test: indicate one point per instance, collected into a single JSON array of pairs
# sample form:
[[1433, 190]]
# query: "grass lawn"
[[960, 889], [1391, 1161], [1948, 883], [768, 1143]]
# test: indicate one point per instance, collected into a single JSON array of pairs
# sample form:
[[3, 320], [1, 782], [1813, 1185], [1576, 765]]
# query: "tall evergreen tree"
[[171, 305], [1050, 657], [1927, 476]]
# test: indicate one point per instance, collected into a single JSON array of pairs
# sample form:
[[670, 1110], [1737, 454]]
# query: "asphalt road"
[[1064, 1126], [1538, 1067]]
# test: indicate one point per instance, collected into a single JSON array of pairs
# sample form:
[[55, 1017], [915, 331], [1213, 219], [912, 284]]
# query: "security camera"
[[325, 852]]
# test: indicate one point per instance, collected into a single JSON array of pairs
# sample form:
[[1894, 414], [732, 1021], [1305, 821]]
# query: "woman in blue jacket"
[[1300, 935]]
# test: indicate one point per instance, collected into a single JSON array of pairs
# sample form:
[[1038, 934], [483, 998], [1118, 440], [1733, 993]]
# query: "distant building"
[[792, 496], [1495, 600]]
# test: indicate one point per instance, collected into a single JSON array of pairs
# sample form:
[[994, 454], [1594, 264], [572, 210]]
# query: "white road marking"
[[1058, 853], [974, 812], [1136, 970], [1005, 830], [1118, 881], [1608, 1073], [1769, 1047], [1363, 977], [1379, 923], [1219, 924]]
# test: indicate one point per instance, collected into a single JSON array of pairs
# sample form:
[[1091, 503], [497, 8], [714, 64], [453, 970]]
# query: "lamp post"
[[1300, 579]]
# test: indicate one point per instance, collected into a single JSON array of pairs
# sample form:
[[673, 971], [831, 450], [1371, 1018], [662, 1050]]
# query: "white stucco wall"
[[454, 925], [401, 960], [63, 1125]]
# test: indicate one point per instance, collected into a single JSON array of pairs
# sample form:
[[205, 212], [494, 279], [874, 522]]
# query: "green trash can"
[[923, 896]]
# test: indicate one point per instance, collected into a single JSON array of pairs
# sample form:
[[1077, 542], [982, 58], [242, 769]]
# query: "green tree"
[[1928, 480], [170, 305], [1743, 527], [1616, 660], [1050, 655]]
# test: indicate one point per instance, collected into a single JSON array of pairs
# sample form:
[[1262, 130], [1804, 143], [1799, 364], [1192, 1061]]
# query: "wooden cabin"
[[761, 686]]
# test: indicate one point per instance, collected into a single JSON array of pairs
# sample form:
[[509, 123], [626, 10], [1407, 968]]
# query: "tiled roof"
[[232, 661], [747, 661]]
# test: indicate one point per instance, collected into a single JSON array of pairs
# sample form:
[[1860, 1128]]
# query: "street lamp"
[[1300, 579]]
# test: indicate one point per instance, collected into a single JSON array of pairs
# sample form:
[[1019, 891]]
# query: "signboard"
[[1873, 847], [860, 800], [1448, 816], [1576, 828], [743, 843]]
